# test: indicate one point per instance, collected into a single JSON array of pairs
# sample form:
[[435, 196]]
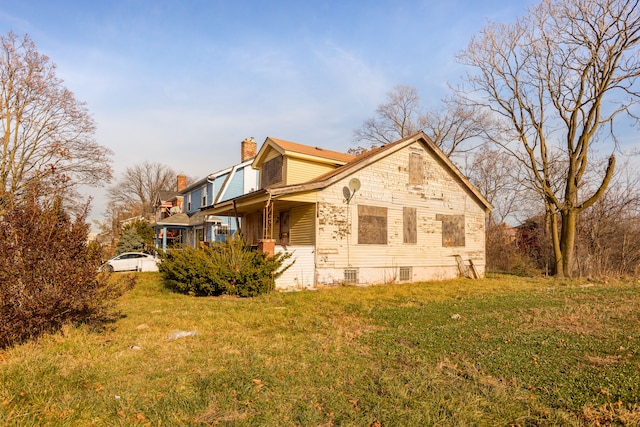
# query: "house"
[[180, 215], [399, 213]]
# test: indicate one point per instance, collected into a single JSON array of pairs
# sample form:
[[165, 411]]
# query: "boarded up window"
[[416, 169], [372, 225], [272, 171], [410, 229], [452, 230]]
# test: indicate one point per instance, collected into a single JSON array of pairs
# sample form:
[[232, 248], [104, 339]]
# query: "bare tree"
[[455, 125], [135, 190], [559, 78], [396, 119], [450, 127], [47, 135], [495, 174], [608, 236]]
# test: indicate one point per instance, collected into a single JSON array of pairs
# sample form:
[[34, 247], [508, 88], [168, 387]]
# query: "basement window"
[[405, 274], [350, 276]]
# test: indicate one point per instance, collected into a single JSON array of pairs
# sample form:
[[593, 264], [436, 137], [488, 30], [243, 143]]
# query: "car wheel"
[[108, 268]]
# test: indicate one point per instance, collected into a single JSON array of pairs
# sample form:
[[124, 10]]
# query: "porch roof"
[[177, 220]]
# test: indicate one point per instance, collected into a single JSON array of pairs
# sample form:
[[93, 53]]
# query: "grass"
[[519, 352]]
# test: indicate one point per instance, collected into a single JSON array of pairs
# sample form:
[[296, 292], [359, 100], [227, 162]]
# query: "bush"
[[130, 241], [138, 236], [48, 273], [504, 254], [226, 268]]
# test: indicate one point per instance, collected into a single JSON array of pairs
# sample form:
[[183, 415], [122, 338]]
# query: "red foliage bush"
[[48, 273]]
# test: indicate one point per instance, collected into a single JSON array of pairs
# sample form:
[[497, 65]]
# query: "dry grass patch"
[[602, 360], [612, 414], [214, 416]]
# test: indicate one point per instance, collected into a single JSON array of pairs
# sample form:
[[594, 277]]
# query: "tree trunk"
[[557, 249], [567, 240]]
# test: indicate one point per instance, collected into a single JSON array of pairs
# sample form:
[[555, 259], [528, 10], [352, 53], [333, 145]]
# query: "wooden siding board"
[[309, 197], [299, 170], [303, 225], [235, 187]]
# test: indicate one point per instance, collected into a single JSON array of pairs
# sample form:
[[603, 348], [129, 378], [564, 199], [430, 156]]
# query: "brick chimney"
[[182, 182], [248, 149]]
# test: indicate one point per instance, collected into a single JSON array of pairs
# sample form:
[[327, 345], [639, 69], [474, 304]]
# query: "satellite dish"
[[354, 184], [346, 193]]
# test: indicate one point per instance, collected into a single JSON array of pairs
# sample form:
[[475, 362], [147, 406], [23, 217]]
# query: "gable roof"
[[293, 149], [376, 154], [166, 195]]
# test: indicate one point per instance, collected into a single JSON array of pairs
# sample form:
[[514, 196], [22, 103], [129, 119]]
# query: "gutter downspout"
[[235, 214]]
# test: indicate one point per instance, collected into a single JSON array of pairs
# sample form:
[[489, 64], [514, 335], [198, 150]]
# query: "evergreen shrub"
[[225, 268]]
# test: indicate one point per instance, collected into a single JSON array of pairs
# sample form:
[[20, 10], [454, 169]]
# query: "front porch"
[[275, 225]]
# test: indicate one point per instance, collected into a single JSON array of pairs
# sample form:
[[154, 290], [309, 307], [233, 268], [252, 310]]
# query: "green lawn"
[[499, 351]]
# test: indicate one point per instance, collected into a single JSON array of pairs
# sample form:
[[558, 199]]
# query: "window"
[[409, 225], [222, 229], [416, 168], [405, 274], [351, 276], [189, 202], [204, 196], [372, 225], [272, 171], [452, 230]]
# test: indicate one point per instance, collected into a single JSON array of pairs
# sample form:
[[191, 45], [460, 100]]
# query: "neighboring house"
[[399, 213], [169, 220], [189, 225]]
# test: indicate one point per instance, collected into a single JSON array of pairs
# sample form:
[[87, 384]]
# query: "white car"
[[131, 261]]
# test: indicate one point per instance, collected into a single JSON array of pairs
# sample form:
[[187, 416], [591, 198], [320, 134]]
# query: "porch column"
[[164, 238], [267, 244]]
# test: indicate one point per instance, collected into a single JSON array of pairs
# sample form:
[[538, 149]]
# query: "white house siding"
[[301, 274], [250, 177], [385, 184]]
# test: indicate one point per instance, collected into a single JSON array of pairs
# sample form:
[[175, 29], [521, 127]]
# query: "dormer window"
[[272, 172]]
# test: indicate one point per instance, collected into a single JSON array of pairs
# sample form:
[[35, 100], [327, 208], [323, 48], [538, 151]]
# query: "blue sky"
[[183, 82]]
